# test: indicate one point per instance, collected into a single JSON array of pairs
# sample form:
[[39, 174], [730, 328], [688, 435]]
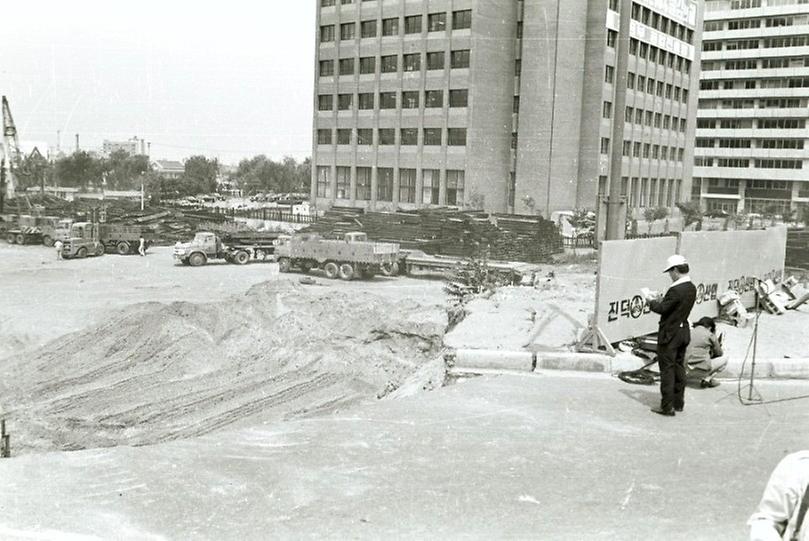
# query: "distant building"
[[752, 132], [168, 168], [502, 105], [132, 146]]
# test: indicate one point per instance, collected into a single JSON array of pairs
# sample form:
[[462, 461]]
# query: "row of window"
[[706, 142], [661, 23], [644, 51], [411, 24], [763, 103], [749, 4], [431, 193], [656, 88], [433, 60], [747, 123], [649, 192], [746, 24], [410, 99], [757, 184], [745, 163], [645, 150], [387, 136], [649, 118], [751, 64]]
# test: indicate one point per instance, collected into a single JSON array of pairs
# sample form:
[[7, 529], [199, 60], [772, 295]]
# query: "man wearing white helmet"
[[673, 334]]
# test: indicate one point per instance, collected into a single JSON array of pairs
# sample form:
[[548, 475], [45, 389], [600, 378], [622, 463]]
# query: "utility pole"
[[616, 203]]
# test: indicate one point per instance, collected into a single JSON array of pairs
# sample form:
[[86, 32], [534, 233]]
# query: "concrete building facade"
[[752, 139], [500, 104]]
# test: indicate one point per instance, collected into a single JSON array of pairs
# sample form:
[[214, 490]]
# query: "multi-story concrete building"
[[752, 137], [132, 146], [501, 104]]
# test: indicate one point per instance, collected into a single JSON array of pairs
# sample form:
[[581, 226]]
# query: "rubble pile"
[[450, 232]]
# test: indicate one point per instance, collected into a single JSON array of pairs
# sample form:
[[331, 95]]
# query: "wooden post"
[[5, 447]]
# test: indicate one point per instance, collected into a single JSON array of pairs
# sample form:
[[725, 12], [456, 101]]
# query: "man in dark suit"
[[673, 334]]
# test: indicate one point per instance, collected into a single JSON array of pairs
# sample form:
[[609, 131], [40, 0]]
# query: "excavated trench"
[[159, 372]]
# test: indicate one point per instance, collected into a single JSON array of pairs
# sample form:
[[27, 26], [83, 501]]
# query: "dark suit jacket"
[[674, 310]]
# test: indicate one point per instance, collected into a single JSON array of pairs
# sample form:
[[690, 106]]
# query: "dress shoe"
[[708, 384], [666, 412], [678, 409]]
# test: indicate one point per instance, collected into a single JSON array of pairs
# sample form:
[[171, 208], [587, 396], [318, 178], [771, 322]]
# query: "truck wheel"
[[390, 269], [100, 249], [47, 241], [331, 269], [346, 271], [20, 238], [197, 259], [11, 238], [306, 266], [284, 265], [241, 257], [122, 247], [185, 262], [82, 252]]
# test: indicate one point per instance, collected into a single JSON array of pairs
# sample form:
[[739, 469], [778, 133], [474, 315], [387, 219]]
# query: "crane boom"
[[11, 150]]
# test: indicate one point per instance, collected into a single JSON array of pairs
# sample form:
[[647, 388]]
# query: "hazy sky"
[[226, 78]]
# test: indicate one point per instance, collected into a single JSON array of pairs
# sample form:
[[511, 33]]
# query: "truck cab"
[[204, 246], [83, 241]]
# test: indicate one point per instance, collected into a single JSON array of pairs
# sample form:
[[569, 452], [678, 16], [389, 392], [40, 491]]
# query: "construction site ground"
[[228, 402]]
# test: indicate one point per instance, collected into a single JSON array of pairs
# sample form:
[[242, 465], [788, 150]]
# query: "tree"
[[261, 174], [692, 214], [124, 172], [652, 214], [79, 170], [199, 176]]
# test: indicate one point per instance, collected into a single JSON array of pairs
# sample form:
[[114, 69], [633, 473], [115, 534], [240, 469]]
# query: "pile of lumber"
[[442, 231], [798, 248]]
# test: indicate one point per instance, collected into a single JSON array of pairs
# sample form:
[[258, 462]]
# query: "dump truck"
[[238, 248], [124, 239], [84, 241], [352, 257]]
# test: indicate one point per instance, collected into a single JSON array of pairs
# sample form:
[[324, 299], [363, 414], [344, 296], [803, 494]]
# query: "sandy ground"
[[550, 456]]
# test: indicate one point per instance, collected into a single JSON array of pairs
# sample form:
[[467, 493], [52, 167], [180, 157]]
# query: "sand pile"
[[158, 372]]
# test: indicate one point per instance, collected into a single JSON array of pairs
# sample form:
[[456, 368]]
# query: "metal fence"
[[274, 214]]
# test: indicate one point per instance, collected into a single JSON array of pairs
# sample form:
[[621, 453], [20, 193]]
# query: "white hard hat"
[[674, 261]]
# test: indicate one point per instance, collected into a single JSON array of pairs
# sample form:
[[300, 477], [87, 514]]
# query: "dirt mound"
[[160, 372]]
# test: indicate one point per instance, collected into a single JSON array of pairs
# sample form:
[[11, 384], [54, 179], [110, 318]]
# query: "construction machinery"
[[238, 248], [84, 241], [10, 159], [352, 257]]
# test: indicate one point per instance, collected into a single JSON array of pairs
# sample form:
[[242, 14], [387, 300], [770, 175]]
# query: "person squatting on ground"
[[142, 246], [781, 514], [673, 334], [704, 357], [58, 246]]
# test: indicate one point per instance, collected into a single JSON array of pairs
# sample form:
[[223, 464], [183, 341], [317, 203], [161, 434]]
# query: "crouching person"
[[704, 357]]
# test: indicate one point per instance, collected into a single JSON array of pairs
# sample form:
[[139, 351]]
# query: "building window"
[[430, 186], [365, 101], [455, 186], [605, 145], [326, 3], [432, 136], [324, 137], [348, 31], [434, 98], [459, 98], [363, 183], [459, 59], [389, 64], [326, 68], [515, 107], [387, 100], [367, 64], [456, 137], [410, 99], [390, 27], [407, 185], [327, 33], [409, 136], [346, 66], [411, 62], [436, 22], [462, 19], [609, 74], [606, 110], [343, 182], [344, 102], [519, 30], [387, 136], [412, 24], [365, 136], [636, 150], [344, 136], [325, 102], [627, 148], [323, 181], [368, 29], [517, 67], [612, 37], [435, 60], [384, 184]]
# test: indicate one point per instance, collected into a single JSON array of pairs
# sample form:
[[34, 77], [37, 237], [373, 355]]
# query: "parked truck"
[[238, 248], [84, 241], [352, 257], [38, 229], [124, 239]]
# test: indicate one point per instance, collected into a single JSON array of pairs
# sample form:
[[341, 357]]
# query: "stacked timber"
[[798, 248]]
